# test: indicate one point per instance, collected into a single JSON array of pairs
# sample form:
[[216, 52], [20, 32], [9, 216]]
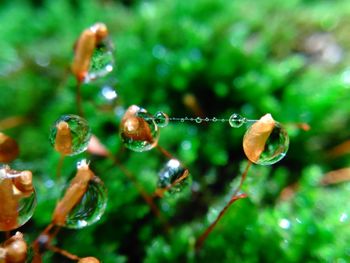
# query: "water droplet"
[[284, 223], [90, 208], [266, 141], [236, 120], [109, 93], [9, 149], [17, 198], [182, 120], [215, 119], [173, 177], [207, 119], [102, 61], [198, 120], [138, 130], [70, 135], [161, 119]]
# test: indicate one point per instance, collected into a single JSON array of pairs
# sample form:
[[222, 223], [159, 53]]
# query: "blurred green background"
[[288, 58]]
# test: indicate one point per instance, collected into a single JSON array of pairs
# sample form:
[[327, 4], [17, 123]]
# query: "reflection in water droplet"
[[109, 93], [17, 198], [91, 207], [70, 135], [198, 120], [138, 130], [343, 217], [266, 141], [236, 120], [173, 177], [102, 61], [161, 119], [284, 223]]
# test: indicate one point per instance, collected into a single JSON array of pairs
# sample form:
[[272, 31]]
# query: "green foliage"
[[249, 57]]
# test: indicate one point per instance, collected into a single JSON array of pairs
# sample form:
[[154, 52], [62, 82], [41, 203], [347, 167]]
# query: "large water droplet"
[[17, 198], [236, 120], [9, 149], [70, 135], [102, 61], [90, 208], [266, 141], [161, 119], [138, 130], [172, 178]]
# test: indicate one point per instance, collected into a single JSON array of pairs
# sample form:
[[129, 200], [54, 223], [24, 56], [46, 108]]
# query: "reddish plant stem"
[[59, 166], [63, 252], [165, 152], [200, 240], [147, 198], [79, 100], [205, 234]]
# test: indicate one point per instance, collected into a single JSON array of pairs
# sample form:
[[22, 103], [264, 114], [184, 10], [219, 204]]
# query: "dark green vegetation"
[[287, 58]]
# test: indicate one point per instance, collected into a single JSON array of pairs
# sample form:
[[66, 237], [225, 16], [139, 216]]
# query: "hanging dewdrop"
[[266, 141], [70, 135], [138, 130], [84, 201], [92, 47], [17, 198]]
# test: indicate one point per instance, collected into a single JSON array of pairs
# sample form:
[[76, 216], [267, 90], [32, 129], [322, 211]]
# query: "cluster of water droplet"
[[70, 135], [140, 132]]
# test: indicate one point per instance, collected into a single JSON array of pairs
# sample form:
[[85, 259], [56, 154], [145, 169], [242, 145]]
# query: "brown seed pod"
[[63, 140], [254, 140], [16, 249], [134, 127], [84, 48], [89, 260], [9, 149], [24, 182]]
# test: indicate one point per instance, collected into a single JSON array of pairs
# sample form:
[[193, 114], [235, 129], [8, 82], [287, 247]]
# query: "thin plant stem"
[[243, 177], [12, 122], [147, 198], [59, 166], [165, 152], [79, 100], [234, 198], [63, 252], [203, 237]]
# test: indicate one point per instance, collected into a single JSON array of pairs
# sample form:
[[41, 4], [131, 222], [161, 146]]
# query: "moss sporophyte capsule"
[[266, 141], [70, 135], [83, 202], [138, 130], [17, 198], [9, 149], [93, 54]]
